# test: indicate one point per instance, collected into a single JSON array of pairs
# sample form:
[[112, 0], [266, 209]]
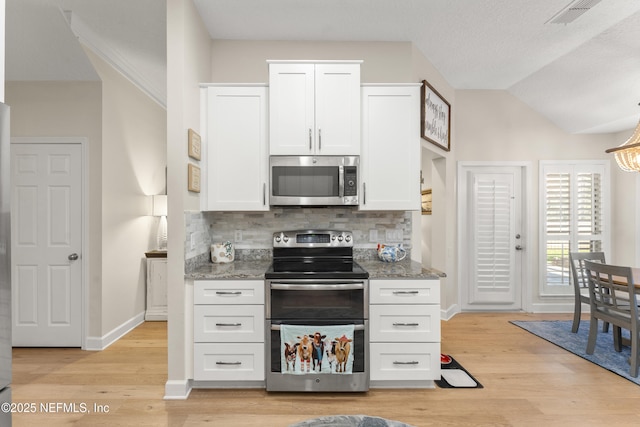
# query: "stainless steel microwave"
[[313, 180]]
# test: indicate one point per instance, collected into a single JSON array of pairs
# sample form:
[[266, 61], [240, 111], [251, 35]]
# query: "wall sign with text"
[[435, 122]]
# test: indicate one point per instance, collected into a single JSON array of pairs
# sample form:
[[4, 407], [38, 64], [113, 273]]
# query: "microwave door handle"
[[364, 193], [341, 181]]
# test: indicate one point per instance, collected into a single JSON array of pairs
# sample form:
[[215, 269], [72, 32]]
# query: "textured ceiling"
[[41, 46], [583, 76]]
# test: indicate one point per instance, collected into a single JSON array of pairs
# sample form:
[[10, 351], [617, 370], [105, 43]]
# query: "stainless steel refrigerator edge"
[[5, 267]]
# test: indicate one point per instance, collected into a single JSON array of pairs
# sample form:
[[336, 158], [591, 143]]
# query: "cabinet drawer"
[[405, 361], [404, 323], [404, 292], [228, 292], [228, 323], [228, 362]]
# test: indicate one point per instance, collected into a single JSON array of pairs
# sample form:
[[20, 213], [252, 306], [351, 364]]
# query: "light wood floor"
[[527, 382]]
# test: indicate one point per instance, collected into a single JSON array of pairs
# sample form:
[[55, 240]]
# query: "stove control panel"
[[312, 239]]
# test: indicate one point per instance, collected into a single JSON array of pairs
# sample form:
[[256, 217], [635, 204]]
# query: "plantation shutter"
[[492, 234], [573, 219]]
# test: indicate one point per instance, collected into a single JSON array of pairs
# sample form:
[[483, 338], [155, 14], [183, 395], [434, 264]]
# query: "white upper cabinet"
[[390, 161], [235, 173], [314, 108]]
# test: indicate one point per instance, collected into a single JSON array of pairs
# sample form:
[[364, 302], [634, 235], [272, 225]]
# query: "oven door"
[[321, 303], [312, 300], [313, 381]]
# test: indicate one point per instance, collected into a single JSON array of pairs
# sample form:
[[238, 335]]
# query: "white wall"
[[188, 64], [234, 61], [134, 161], [51, 109], [496, 126], [2, 29]]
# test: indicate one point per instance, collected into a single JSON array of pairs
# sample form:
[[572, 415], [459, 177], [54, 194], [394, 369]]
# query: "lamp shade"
[[160, 205]]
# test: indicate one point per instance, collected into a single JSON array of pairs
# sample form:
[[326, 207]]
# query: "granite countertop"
[[406, 269], [236, 270], [255, 269]]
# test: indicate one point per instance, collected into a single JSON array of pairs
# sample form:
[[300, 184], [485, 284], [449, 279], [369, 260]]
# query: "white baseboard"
[[449, 312], [100, 343], [556, 308], [177, 389]]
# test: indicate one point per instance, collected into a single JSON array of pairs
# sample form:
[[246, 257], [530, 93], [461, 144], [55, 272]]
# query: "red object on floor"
[[445, 359]]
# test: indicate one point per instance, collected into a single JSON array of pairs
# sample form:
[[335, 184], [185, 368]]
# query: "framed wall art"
[[195, 144], [193, 178], [435, 120], [426, 202]]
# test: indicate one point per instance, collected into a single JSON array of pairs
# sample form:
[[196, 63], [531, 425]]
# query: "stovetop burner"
[[314, 254], [299, 270]]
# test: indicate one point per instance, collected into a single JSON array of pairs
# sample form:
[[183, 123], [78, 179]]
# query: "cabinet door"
[[228, 323], [156, 289], [405, 361], [291, 109], [390, 162], [404, 291], [337, 109], [404, 323], [236, 152], [228, 362], [228, 292]]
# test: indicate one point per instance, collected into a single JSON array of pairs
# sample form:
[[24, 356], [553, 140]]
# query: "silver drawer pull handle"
[[228, 324], [405, 292], [229, 363], [407, 363], [406, 324], [228, 293]]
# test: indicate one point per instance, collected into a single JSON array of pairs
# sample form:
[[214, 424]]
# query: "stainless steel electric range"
[[317, 316]]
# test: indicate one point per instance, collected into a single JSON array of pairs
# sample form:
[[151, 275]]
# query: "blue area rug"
[[558, 332], [350, 421]]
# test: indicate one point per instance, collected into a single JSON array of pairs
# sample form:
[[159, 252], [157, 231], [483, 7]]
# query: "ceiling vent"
[[572, 11]]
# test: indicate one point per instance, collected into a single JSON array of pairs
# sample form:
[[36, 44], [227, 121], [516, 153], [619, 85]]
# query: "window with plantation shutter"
[[493, 233], [574, 218], [493, 223]]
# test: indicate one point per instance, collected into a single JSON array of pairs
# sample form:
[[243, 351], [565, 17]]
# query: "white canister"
[[222, 252]]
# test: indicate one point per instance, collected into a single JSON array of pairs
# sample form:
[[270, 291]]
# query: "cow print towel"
[[316, 349]]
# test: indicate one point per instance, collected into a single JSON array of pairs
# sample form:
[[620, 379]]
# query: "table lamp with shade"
[[160, 210]]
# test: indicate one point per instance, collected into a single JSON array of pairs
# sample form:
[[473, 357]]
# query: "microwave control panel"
[[350, 181]]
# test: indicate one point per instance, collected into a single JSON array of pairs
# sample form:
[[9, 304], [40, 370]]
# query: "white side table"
[[156, 286]]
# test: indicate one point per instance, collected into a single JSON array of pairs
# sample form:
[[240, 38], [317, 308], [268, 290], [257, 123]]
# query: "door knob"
[[518, 248], [73, 257]]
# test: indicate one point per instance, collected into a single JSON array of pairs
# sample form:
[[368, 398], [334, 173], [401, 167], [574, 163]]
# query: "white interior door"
[[46, 181], [492, 240]]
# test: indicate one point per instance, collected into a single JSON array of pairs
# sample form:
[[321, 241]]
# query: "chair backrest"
[[611, 290], [577, 259]]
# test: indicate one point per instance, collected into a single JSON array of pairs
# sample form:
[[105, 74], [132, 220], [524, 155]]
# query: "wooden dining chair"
[[581, 285], [613, 299]]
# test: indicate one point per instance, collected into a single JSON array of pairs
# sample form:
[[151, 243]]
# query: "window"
[[574, 212]]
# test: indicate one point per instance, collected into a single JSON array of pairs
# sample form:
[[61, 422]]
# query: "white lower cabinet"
[[404, 332], [404, 361], [229, 362], [156, 288], [228, 331]]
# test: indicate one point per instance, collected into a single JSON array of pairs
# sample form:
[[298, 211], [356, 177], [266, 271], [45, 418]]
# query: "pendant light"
[[628, 154]]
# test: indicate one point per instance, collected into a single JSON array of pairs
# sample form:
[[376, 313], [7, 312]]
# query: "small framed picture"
[[194, 178], [195, 145], [435, 123], [426, 202]]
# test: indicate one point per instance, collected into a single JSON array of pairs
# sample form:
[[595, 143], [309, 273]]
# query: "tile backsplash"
[[253, 231]]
